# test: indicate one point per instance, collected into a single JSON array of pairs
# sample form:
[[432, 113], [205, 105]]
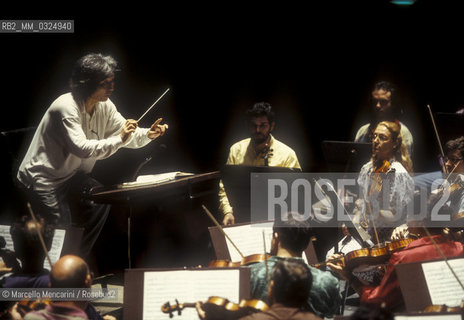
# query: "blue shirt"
[[324, 297]]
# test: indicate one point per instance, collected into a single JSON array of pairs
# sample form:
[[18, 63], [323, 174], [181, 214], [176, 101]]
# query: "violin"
[[219, 308], [376, 177], [375, 188], [442, 308], [371, 256], [25, 306], [247, 260]]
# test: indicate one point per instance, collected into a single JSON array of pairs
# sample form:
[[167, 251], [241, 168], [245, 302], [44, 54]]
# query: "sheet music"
[[249, 239], [443, 286], [5, 233], [160, 287], [431, 317], [156, 178], [55, 250]]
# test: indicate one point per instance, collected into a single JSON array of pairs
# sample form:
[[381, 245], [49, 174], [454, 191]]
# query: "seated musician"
[[288, 292], [68, 272], [385, 197], [28, 249], [451, 203], [455, 166], [422, 249], [261, 149], [290, 282], [289, 240]]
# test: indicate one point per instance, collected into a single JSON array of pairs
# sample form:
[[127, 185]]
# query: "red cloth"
[[419, 250]]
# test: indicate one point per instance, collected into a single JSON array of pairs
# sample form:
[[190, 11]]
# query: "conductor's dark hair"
[[88, 72], [456, 144], [26, 241], [261, 109], [294, 234], [292, 282]]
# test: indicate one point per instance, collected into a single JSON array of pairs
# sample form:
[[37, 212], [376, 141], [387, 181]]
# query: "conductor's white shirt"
[[68, 140]]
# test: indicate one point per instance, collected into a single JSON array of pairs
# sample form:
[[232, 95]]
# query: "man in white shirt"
[[79, 128], [384, 107]]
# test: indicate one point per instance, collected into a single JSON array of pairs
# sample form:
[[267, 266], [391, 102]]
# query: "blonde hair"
[[401, 151]]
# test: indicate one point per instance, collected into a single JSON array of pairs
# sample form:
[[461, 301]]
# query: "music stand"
[[237, 184], [134, 283], [413, 284], [346, 156]]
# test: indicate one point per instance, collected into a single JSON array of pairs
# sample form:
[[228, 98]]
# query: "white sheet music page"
[[160, 287], [249, 239], [443, 286], [56, 248]]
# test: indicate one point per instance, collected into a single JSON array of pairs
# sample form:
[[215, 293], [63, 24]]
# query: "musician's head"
[[387, 143], [290, 283], [454, 152], [26, 240], [291, 234], [384, 102], [70, 272], [260, 120], [93, 77]]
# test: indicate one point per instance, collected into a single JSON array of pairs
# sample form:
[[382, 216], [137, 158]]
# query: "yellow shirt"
[[241, 153]]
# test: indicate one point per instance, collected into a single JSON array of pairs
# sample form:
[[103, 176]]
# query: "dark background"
[[314, 62]]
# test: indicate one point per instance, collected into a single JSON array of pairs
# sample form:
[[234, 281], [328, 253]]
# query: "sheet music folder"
[[134, 288], [346, 156], [237, 184]]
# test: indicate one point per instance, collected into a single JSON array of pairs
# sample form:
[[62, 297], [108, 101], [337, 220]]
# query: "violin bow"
[[438, 138], [265, 261], [221, 229], [42, 242], [369, 206]]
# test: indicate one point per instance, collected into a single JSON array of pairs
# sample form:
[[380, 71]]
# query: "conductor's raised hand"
[[157, 129], [127, 129]]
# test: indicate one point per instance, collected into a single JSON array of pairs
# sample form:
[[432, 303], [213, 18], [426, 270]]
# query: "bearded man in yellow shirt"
[[261, 149]]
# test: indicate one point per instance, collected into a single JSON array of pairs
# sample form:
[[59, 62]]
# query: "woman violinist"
[[386, 186]]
